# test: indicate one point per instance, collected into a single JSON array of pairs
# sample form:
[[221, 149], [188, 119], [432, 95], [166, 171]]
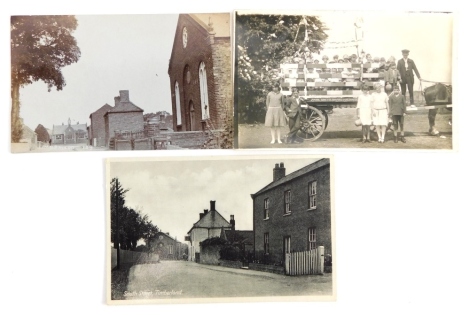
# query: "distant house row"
[[167, 247], [290, 214]]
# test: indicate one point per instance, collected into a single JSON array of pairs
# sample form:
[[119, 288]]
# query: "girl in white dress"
[[364, 113], [275, 118], [380, 111]]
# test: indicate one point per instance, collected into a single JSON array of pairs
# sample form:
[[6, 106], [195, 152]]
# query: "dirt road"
[[342, 133], [182, 279]]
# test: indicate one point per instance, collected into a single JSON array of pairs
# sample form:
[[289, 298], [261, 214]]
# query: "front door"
[[286, 248]]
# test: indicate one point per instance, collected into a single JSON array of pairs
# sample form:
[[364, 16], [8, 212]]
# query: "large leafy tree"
[[40, 47], [128, 225], [262, 42], [42, 133]]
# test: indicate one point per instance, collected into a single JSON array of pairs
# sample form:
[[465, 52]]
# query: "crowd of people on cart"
[[308, 56], [380, 108]]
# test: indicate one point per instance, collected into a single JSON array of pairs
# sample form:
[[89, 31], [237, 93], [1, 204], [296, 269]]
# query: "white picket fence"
[[305, 263]]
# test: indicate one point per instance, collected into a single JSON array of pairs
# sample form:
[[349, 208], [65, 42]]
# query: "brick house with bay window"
[[200, 72], [293, 212]]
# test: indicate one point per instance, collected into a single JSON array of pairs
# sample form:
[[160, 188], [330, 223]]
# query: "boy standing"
[[397, 113], [392, 77]]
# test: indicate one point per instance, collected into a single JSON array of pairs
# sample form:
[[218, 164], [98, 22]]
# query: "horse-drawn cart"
[[323, 87]]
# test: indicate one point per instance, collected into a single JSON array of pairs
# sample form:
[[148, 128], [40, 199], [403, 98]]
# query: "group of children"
[[378, 108]]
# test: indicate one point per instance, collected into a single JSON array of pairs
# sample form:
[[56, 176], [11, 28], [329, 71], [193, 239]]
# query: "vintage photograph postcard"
[[220, 229], [121, 82], [344, 79]]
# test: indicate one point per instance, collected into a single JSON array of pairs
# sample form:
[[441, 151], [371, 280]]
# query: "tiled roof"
[[307, 169], [212, 219], [105, 108], [124, 107], [164, 234], [220, 22]]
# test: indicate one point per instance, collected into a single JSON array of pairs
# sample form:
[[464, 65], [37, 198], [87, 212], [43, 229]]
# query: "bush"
[[230, 253], [213, 241]]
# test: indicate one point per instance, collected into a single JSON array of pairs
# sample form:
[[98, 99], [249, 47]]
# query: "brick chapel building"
[[200, 72], [293, 212]]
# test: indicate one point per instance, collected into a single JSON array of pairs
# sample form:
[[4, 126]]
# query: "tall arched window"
[[203, 90], [178, 104]]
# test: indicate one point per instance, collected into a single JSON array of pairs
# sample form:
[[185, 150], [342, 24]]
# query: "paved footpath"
[[182, 279]]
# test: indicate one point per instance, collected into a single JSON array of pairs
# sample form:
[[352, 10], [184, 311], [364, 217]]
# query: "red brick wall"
[[216, 58], [223, 90], [97, 124], [132, 121], [296, 224]]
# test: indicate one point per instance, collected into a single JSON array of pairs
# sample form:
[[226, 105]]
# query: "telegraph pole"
[[116, 187]]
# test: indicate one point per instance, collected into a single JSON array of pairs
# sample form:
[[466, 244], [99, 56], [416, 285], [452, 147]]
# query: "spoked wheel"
[[312, 124]]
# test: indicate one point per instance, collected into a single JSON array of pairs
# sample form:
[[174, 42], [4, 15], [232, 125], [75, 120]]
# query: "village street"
[[183, 279]]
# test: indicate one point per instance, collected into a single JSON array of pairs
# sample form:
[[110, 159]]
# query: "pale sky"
[[173, 193], [131, 52], [119, 52], [428, 36]]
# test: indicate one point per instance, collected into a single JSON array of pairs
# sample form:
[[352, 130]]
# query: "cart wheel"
[[312, 124]]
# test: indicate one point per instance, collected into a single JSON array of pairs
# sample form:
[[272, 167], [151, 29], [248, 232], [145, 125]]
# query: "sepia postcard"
[[220, 229], [343, 79], [121, 82]]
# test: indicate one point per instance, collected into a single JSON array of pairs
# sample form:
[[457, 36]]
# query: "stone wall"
[[123, 145], [267, 268], [210, 255], [230, 264]]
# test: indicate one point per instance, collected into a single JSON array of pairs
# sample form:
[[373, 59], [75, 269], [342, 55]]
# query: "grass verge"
[[119, 280]]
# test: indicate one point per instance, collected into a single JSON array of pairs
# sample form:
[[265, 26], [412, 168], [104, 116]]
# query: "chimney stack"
[[212, 205], [117, 100], [232, 222], [201, 215], [124, 95], [278, 172], [205, 211]]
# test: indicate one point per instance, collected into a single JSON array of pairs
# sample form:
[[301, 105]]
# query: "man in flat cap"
[[405, 67]]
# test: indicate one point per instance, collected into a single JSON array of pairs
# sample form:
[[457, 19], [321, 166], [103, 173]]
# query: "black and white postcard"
[[246, 228], [344, 79]]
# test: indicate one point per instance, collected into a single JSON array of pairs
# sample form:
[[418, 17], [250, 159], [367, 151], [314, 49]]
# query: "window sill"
[[266, 219], [287, 214], [311, 209]]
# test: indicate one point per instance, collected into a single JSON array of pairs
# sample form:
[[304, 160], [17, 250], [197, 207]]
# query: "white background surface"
[[401, 233]]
